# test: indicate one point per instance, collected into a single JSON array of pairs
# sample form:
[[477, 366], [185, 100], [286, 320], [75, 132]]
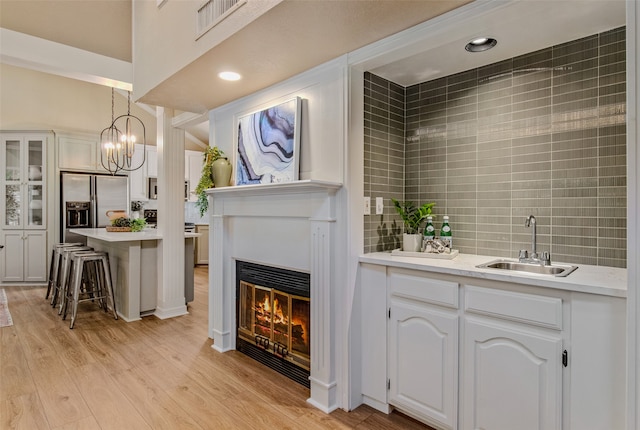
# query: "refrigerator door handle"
[[92, 210]]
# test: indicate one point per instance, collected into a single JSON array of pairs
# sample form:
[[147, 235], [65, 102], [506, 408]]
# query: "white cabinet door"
[[152, 162], [35, 256], [138, 178], [423, 361], [23, 192], [511, 377], [24, 256], [12, 261], [193, 169], [79, 152]]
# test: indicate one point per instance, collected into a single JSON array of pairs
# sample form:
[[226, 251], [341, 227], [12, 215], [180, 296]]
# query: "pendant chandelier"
[[118, 141]]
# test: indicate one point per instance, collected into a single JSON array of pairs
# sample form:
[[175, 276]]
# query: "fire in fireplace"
[[273, 318]]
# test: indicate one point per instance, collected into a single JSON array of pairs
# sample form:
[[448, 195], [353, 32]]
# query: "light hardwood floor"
[[149, 374]]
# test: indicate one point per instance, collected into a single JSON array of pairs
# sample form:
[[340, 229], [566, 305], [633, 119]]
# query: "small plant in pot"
[[412, 216]]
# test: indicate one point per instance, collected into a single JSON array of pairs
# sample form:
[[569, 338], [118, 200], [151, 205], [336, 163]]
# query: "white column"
[[221, 287], [323, 375], [171, 299]]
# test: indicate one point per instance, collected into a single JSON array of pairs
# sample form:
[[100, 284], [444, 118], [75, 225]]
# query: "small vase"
[[411, 242], [221, 170]]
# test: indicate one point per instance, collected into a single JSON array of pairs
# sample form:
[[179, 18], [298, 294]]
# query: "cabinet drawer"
[[526, 308], [410, 285]]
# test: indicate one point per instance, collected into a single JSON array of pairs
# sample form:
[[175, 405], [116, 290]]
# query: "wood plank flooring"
[[149, 374]]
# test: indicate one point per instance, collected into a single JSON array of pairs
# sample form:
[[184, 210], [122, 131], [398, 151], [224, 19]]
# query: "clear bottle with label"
[[429, 233], [445, 232]]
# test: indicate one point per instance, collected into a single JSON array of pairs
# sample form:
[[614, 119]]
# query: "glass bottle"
[[445, 232], [429, 233]]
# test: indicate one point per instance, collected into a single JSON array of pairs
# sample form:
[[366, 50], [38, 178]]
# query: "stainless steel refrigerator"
[[85, 199]]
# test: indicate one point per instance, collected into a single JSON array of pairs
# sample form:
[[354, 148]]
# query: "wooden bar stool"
[[59, 289], [54, 267], [89, 280]]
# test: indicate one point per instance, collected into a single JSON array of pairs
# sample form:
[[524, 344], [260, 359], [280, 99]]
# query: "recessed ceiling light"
[[481, 44], [229, 76]]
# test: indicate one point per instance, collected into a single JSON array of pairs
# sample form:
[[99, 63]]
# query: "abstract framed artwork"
[[268, 145]]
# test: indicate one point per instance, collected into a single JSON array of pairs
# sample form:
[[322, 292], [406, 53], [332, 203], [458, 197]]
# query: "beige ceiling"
[[292, 37], [100, 26], [297, 35]]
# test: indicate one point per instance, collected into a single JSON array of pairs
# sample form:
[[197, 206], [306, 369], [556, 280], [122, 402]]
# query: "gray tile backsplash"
[[542, 134]]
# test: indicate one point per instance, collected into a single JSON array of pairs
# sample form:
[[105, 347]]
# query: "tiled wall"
[[384, 149], [541, 134]]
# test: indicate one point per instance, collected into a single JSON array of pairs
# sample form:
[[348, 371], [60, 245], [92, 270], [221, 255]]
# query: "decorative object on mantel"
[[268, 144], [221, 170], [212, 154], [117, 142], [444, 256], [124, 224], [412, 217]]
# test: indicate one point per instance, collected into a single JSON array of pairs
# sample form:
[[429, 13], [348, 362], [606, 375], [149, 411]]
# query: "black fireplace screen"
[[274, 318]]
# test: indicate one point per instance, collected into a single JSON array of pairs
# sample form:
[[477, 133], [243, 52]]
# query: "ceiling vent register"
[[214, 11]]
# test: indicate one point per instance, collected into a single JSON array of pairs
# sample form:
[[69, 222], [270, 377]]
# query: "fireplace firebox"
[[273, 318]]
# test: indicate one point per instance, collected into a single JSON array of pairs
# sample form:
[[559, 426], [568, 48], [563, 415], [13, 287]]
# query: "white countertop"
[[609, 281], [127, 236]]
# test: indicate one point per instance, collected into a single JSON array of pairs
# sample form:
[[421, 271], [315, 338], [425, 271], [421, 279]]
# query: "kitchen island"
[[134, 267]]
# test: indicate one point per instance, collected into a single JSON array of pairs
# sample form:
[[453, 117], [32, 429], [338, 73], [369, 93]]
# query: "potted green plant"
[[412, 217], [212, 154]]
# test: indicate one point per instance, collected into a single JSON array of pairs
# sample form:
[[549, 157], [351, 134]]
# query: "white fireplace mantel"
[[289, 225]]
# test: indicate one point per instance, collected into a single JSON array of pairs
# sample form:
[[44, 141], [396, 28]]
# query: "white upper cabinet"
[[138, 178], [24, 186], [152, 162], [193, 161], [79, 152]]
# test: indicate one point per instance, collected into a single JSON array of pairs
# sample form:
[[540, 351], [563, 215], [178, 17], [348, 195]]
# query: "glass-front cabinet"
[[22, 158]]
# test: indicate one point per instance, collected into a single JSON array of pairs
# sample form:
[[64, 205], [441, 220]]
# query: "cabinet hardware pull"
[[565, 358]]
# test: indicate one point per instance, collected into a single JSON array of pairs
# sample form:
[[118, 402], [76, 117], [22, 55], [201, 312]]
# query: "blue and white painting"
[[268, 145]]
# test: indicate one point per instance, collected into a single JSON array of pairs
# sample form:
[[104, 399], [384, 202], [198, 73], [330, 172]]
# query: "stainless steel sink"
[[553, 269]]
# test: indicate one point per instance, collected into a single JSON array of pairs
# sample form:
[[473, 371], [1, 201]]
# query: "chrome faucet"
[[531, 222], [524, 257]]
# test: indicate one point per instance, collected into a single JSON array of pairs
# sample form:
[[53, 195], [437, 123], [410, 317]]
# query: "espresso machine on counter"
[[151, 216]]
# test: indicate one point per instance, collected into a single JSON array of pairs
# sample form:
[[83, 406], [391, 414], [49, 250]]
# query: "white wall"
[[36, 100], [32, 100], [323, 124], [173, 27]]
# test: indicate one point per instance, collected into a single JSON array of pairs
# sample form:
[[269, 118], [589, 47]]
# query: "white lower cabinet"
[[423, 358], [24, 256], [511, 375], [511, 378], [468, 353]]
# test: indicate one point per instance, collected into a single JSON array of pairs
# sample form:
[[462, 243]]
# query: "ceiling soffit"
[[290, 38]]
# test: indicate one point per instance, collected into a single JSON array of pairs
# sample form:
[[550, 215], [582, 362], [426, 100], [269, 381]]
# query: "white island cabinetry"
[[133, 258], [465, 351]]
